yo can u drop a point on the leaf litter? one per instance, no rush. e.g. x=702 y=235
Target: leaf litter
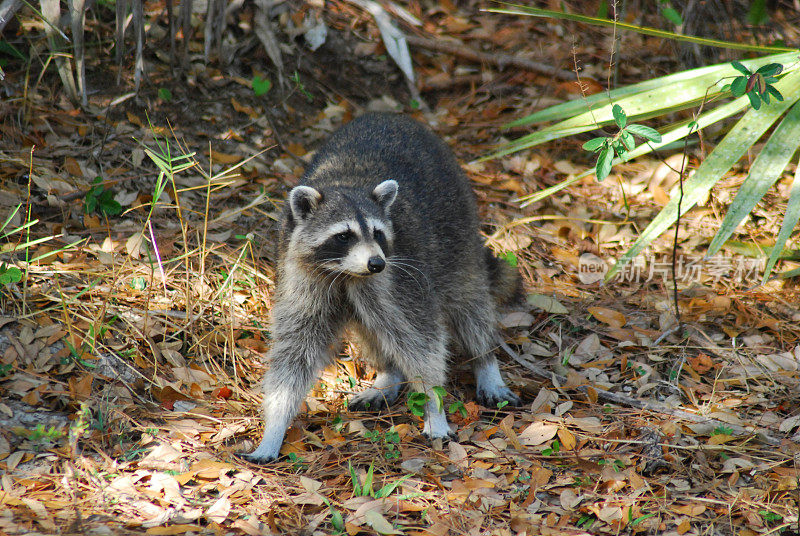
x=131 y=360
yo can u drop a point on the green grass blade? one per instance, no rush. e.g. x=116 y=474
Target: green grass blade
x=708 y=73
x=516 y=9
x=765 y=170
x=789 y=222
x=732 y=147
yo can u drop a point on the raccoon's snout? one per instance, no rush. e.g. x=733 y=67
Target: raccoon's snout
x=376 y=264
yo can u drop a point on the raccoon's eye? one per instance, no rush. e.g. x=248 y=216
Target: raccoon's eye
x=344 y=238
x=378 y=234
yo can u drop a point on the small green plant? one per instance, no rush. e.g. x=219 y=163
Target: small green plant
x=510 y=258
x=617 y=465
x=299 y=465
x=388 y=441
x=164 y=94
x=9 y=274
x=586 y=521
x=416 y=403
x=669 y=12
x=41 y=436
x=300 y=87
x=619 y=144
x=770 y=517
x=261 y=86
x=722 y=430
x=100 y=200
x=337 y=521
x=758 y=84
x=366 y=490
x=458 y=406
x=554 y=448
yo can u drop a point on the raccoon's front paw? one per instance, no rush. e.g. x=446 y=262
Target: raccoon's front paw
x=373 y=399
x=491 y=398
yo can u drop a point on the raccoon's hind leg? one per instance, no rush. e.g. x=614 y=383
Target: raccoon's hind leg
x=422 y=358
x=387 y=384
x=473 y=326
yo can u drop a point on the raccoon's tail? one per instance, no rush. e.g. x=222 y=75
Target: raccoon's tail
x=504 y=280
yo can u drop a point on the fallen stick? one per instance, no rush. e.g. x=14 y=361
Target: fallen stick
x=642 y=404
x=499 y=59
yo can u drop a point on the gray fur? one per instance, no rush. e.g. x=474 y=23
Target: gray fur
x=381 y=172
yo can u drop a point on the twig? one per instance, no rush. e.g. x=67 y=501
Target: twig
x=646 y=405
x=499 y=59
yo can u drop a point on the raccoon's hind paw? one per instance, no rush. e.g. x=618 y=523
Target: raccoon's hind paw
x=253 y=457
x=493 y=398
x=372 y=399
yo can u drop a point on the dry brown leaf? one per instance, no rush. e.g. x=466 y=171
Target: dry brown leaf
x=537 y=433
x=613 y=318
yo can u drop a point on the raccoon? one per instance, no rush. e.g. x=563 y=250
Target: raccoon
x=381 y=236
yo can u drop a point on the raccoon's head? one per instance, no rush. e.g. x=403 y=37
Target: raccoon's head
x=341 y=229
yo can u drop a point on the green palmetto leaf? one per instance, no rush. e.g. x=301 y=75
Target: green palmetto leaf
x=733 y=146
x=678 y=132
x=789 y=222
x=765 y=170
x=691 y=84
x=669 y=95
x=516 y=9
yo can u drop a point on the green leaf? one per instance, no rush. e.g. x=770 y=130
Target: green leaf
x=510 y=258
x=594 y=144
x=775 y=93
x=627 y=140
x=741 y=68
x=164 y=94
x=755 y=100
x=603 y=167
x=9 y=275
x=765 y=170
x=645 y=132
x=261 y=85
x=757 y=14
x=739 y=86
x=770 y=69
x=619 y=115
x=671 y=15
x=732 y=147
x=440 y=394
x=790 y=220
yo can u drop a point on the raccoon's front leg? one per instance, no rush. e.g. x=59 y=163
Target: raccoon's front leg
x=293 y=368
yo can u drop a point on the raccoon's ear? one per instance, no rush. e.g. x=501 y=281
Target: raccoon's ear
x=385 y=193
x=302 y=200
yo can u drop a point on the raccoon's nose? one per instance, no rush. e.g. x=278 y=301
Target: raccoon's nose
x=375 y=264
